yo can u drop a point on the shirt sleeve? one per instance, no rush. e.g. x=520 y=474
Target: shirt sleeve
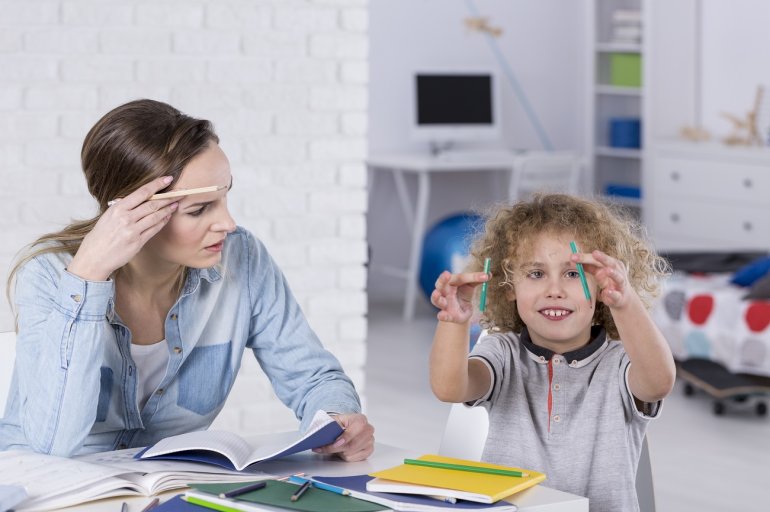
x=305 y=376
x=645 y=410
x=61 y=330
x=495 y=355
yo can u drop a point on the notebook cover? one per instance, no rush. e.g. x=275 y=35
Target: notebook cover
x=495 y=487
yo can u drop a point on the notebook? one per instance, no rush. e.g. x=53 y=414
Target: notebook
x=407 y=502
x=466 y=485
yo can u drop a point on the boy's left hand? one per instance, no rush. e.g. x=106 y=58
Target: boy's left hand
x=611 y=277
x=356 y=443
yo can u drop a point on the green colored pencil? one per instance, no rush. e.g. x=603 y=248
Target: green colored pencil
x=209 y=505
x=582 y=273
x=463 y=467
x=483 y=300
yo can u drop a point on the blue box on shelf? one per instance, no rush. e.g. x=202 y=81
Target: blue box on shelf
x=623 y=191
x=625 y=132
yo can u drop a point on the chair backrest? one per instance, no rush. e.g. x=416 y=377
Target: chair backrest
x=466 y=432
x=7 y=358
x=545 y=172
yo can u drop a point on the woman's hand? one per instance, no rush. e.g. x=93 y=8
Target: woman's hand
x=454 y=295
x=122 y=231
x=356 y=443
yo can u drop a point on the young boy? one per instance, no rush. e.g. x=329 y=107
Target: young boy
x=570 y=376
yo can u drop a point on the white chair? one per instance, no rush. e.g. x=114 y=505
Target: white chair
x=7 y=358
x=466 y=432
x=545 y=172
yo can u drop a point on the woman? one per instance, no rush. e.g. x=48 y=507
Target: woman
x=131 y=325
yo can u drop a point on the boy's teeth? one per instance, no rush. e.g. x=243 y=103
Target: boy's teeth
x=555 y=312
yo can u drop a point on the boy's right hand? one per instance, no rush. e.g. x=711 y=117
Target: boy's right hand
x=121 y=231
x=454 y=295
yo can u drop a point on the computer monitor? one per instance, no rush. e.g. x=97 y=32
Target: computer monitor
x=453 y=107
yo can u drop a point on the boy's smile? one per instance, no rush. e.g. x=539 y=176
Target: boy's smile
x=550 y=298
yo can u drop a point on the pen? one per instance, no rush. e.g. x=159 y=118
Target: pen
x=297 y=495
x=463 y=467
x=483 y=300
x=319 y=485
x=581 y=272
x=151 y=505
x=242 y=490
x=124 y=507
x=178 y=193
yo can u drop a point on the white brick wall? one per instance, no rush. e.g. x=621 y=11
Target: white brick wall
x=284 y=82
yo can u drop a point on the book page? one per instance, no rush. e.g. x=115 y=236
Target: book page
x=46 y=476
x=227 y=444
x=161 y=475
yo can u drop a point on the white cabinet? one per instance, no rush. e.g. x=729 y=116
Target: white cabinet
x=708 y=197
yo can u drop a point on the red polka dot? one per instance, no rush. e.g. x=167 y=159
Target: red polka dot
x=758 y=316
x=699 y=308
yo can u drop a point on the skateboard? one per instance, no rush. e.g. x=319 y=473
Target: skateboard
x=723 y=385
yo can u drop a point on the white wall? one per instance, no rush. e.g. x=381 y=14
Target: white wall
x=542 y=42
x=284 y=82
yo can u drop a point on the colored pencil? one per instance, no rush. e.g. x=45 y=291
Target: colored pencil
x=302 y=488
x=581 y=272
x=483 y=300
x=242 y=490
x=463 y=467
x=320 y=485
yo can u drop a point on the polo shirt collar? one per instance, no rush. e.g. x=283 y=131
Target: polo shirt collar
x=598 y=337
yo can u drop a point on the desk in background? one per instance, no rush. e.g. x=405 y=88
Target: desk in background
x=536 y=499
x=415 y=215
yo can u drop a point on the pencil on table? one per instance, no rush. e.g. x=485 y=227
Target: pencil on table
x=297 y=495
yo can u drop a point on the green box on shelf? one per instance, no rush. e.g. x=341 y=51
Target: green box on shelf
x=626 y=69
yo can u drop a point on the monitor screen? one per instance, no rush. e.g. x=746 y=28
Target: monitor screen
x=455 y=106
x=454 y=99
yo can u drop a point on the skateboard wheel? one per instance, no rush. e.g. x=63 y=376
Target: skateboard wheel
x=761 y=409
x=719 y=408
x=688 y=390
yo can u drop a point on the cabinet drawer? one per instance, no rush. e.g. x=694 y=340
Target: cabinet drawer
x=722 y=180
x=742 y=227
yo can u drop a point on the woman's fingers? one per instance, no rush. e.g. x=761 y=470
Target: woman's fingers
x=143 y=193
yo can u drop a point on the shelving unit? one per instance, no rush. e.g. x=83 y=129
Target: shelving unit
x=620 y=167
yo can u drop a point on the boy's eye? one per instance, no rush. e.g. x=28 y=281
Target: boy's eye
x=573 y=274
x=535 y=274
x=199 y=211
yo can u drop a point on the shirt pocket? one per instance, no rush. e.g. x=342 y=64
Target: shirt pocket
x=105 y=392
x=205 y=378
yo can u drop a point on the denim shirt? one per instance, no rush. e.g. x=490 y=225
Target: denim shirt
x=74 y=386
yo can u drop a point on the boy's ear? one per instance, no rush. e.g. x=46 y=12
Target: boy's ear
x=510 y=294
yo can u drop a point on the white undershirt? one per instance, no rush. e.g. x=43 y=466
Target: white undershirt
x=151 y=362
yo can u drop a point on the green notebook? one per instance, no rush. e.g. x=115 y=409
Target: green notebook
x=278 y=494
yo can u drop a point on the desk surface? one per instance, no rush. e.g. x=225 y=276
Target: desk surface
x=536 y=499
x=417 y=162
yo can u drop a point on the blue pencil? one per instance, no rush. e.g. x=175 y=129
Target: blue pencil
x=582 y=273
x=484 y=285
x=320 y=485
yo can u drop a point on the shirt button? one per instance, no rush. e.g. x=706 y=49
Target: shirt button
x=542 y=359
x=173 y=316
x=556 y=387
x=556 y=418
x=177 y=350
x=159 y=391
x=556 y=360
x=573 y=363
x=77 y=297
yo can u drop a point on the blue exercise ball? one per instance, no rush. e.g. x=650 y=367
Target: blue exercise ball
x=446 y=246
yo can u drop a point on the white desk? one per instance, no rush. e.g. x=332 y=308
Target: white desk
x=422 y=166
x=536 y=499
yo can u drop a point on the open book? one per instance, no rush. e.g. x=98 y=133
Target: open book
x=475 y=482
x=55 y=482
x=230 y=451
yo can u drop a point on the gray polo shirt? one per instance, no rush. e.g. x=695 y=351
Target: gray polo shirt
x=571 y=416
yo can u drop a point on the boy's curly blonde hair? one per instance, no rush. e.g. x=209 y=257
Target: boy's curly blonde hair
x=510 y=231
